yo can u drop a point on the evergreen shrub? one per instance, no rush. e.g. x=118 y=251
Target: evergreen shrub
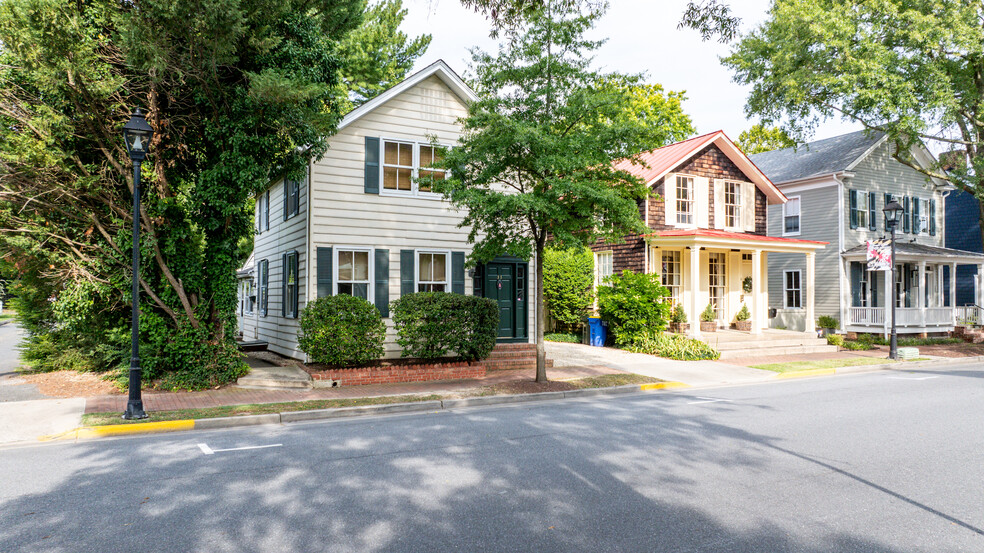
x=431 y=325
x=341 y=330
x=633 y=304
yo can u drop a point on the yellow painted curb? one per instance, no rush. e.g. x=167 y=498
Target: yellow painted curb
x=810 y=372
x=662 y=386
x=121 y=429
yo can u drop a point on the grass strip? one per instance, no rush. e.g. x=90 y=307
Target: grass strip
x=102 y=419
x=793 y=366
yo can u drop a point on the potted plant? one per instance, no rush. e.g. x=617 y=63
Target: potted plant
x=707 y=323
x=827 y=325
x=678 y=320
x=742 y=321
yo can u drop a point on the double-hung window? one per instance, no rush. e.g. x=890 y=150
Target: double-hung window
x=263 y=274
x=292 y=198
x=792 y=289
x=353 y=270
x=791 y=216
x=263 y=212
x=732 y=204
x=603 y=267
x=671 y=274
x=716 y=280
x=684 y=200
x=408 y=167
x=290 y=285
x=433 y=271
x=862 y=211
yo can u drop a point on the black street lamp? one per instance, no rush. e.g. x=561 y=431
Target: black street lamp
x=893 y=213
x=137 y=135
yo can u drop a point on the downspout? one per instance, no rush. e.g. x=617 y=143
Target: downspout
x=841 y=271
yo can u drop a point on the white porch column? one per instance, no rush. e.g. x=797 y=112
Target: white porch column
x=758 y=316
x=694 y=315
x=889 y=298
x=921 y=300
x=953 y=293
x=979 y=296
x=811 y=272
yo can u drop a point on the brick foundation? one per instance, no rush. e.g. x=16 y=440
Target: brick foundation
x=417 y=372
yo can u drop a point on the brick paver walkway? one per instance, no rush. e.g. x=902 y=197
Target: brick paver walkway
x=169 y=401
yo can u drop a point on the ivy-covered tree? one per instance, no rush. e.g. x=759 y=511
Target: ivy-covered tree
x=235 y=91
x=536 y=158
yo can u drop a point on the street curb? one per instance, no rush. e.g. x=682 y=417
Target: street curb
x=87 y=432
x=807 y=373
x=897 y=365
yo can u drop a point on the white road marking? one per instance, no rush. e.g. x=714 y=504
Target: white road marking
x=912 y=377
x=707 y=400
x=209 y=451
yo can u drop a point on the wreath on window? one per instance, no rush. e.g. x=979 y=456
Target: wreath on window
x=746 y=285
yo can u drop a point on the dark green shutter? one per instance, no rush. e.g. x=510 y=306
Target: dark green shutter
x=932 y=217
x=888 y=200
x=372 y=165
x=382 y=282
x=324 y=272
x=872 y=222
x=478 y=281
x=873 y=287
x=906 y=215
x=458 y=272
x=406 y=272
x=283 y=285
x=857 y=273
x=853 y=194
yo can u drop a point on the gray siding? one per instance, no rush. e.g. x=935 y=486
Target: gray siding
x=881 y=174
x=818 y=221
x=284 y=236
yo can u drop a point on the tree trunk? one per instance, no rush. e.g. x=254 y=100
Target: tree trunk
x=541 y=352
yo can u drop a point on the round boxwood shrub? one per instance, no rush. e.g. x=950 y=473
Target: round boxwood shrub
x=431 y=325
x=341 y=330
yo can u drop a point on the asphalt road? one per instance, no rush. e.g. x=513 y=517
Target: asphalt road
x=876 y=462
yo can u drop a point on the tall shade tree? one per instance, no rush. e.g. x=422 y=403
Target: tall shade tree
x=911 y=68
x=235 y=90
x=377 y=54
x=535 y=160
x=760 y=138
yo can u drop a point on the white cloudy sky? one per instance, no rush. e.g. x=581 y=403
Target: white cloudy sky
x=642 y=37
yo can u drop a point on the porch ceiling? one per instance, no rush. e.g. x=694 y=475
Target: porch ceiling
x=911 y=251
x=710 y=238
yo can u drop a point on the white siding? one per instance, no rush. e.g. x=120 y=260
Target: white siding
x=283 y=236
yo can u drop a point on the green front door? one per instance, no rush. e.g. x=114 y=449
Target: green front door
x=500 y=285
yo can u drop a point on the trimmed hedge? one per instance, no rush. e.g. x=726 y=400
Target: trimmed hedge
x=341 y=330
x=431 y=325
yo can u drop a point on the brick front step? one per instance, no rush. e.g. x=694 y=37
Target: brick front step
x=513 y=364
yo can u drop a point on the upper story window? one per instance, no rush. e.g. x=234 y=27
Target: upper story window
x=791 y=216
x=603 y=267
x=292 y=198
x=684 y=200
x=732 y=204
x=405 y=162
x=862 y=210
x=433 y=271
x=263 y=212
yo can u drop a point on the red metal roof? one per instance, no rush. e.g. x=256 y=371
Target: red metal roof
x=663 y=159
x=714 y=233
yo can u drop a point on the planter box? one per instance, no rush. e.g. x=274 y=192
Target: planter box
x=679 y=328
x=745 y=326
x=708 y=326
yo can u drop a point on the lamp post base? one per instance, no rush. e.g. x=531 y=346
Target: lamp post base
x=134 y=410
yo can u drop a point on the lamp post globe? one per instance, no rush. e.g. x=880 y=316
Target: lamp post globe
x=893 y=212
x=137 y=134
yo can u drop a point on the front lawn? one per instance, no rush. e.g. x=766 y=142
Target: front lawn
x=794 y=366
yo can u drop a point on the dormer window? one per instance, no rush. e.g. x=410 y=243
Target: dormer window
x=684 y=200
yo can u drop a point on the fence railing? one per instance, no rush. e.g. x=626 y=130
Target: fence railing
x=904 y=316
x=969 y=314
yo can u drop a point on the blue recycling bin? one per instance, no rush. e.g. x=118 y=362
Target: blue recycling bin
x=598 y=333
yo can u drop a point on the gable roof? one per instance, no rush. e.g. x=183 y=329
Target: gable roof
x=438 y=69
x=816 y=159
x=661 y=161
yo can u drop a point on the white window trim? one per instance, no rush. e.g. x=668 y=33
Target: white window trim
x=416 y=268
x=414 y=172
x=693 y=201
x=679 y=262
x=250 y=286
x=372 y=269
x=740 y=219
x=785 y=303
x=783 y=222
x=598 y=280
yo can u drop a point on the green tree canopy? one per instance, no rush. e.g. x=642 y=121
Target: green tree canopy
x=239 y=92
x=535 y=161
x=760 y=138
x=911 y=68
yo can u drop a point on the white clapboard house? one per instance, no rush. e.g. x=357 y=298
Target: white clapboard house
x=360 y=224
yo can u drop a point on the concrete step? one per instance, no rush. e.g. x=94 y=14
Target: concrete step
x=787 y=350
x=275 y=377
x=762 y=344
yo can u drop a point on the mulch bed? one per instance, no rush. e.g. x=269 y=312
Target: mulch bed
x=70 y=384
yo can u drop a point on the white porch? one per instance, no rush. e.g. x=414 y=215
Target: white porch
x=922 y=304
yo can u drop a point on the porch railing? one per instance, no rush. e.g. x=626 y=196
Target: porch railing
x=969 y=314
x=905 y=316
